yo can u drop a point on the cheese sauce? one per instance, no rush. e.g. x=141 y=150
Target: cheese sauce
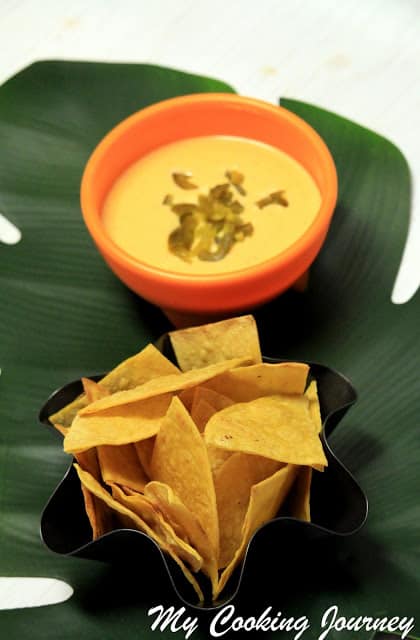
x=136 y=219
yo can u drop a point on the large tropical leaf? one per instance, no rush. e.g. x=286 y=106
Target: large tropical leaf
x=64 y=314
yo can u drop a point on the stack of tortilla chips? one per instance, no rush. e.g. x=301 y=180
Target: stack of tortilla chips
x=197 y=457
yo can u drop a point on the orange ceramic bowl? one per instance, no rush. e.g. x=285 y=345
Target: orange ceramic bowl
x=203 y=115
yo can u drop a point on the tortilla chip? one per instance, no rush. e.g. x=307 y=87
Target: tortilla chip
x=135 y=522
x=187 y=396
x=233 y=490
x=201 y=412
x=61 y=428
x=207 y=344
x=121 y=425
x=144 y=449
x=312 y=394
x=182 y=519
x=264 y=503
x=99 y=515
x=180 y=460
x=142 y=507
x=93 y=390
x=88 y=461
x=217 y=458
x=277 y=427
x=249 y=383
x=164 y=384
x=217 y=400
x=300 y=495
x=147 y=365
x=201 y=392
x=121 y=465
x=136 y=370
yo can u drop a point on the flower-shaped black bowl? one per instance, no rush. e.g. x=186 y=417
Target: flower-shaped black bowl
x=338 y=509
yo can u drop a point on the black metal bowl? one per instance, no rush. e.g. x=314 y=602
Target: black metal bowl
x=338 y=509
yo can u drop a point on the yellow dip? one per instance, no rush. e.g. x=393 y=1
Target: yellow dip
x=138 y=222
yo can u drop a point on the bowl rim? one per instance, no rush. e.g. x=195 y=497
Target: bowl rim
x=314 y=233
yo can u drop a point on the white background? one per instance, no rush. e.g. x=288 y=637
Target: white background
x=359 y=58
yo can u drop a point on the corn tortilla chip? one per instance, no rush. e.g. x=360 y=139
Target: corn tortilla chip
x=142 y=507
x=88 y=461
x=61 y=429
x=187 y=396
x=312 y=394
x=233 y=491
x=121 y=465
x=93 y=391
x=158 y=386
x=180 y=460
x=149 y=363
x=217 y=457
x=201 y=412
x=200 y=346
x=201 y=392
x=98 y=513
x=180 y=517
x=144 y=449
x=249 y=383
x=314 y=410
x=121 y=425
x=217 y=400
x=136 y=522
x=265 y=501
x=277 y=427
x=300 y=495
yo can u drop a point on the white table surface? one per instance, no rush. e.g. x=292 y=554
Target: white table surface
x=359 y=58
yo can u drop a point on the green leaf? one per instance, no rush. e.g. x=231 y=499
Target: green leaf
x=63 y=314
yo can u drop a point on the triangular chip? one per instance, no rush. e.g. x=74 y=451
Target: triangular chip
x=187 y=396
x=217 y=400
x=149 y=363
x=164 y=384
x=233 y=490
x=120 y=425
x=249 y=383
x=200 y=346
x=315 y=412
x=312 y=394
x=201 y=392
x=93 y=390
x=217 y=458
x=138 y=504
x=88 y=461
x=265 y=501
x=61 y=429
x=98 y=513
x=180 y=460
x=135 y=522
x=300 y=494
x=182 y=519
x=276 y=427
x=121 y=465
x=201 y=412
x=144 y=449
